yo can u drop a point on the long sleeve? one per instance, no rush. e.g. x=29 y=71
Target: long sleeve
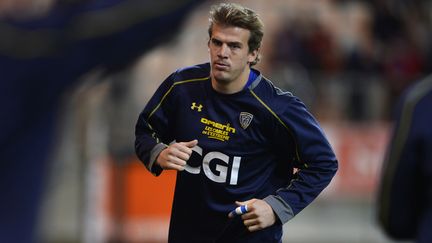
x=404 y=191
x=152 y=127
x=313 y=156
x=397 y=203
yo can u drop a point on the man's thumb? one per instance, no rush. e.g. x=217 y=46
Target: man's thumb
x=245 y=202
x=191 y=144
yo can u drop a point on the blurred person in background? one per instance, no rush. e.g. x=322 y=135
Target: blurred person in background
x=43 y=54
x=405 y=198
x=235 y=140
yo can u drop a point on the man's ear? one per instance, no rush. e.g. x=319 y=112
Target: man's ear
x=253 y=55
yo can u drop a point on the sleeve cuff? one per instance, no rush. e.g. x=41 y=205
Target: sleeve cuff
x=155 y=169
x=282 y=210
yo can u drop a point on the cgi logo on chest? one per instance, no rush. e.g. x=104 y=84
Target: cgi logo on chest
x=225 y=165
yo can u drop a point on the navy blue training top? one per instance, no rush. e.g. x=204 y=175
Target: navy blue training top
x=248 y=145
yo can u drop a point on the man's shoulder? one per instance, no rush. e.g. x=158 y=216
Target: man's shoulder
x=267 y=90
x=199 y=71
x=417 y=95
x=277 y=100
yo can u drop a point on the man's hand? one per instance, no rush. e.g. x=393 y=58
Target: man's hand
x=259 y=215
x=174 y=157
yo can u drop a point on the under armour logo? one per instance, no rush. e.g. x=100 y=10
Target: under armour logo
x=198 y=107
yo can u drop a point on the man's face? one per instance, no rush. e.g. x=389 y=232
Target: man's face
x=229 y=54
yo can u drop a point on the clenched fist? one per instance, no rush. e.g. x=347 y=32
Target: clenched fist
x=174 y=157
x=259 y=215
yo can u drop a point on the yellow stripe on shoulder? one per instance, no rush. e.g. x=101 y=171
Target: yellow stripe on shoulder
x=171 y=88
x=281 y=122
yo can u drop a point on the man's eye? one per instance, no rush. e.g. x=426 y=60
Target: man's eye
x=216 y=42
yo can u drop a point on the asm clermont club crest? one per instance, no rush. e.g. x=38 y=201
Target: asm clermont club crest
x=245 y=119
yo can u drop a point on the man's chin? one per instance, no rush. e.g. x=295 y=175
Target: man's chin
x=220 y=76
x=223 y=79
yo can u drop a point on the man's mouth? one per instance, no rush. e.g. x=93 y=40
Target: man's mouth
x=221 y=65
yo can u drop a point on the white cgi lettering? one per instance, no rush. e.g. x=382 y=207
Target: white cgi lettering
x=221 y=176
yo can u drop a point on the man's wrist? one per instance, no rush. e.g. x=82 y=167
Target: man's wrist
x=280 y=208
x=154 y=166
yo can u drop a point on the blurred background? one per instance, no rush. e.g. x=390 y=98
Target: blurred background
x=347 y=60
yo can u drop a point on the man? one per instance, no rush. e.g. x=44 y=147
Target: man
x=234 y=139
x=405 y=198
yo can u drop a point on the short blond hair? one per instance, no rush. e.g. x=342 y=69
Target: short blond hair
x=231 y=14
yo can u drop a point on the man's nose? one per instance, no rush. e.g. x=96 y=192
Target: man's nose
x=223 y=51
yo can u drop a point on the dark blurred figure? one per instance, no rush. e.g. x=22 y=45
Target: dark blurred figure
x=41 y=57
x=405 y=198
x=403 y=38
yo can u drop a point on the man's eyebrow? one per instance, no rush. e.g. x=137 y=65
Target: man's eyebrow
x=234 y=43
x=228 y=43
